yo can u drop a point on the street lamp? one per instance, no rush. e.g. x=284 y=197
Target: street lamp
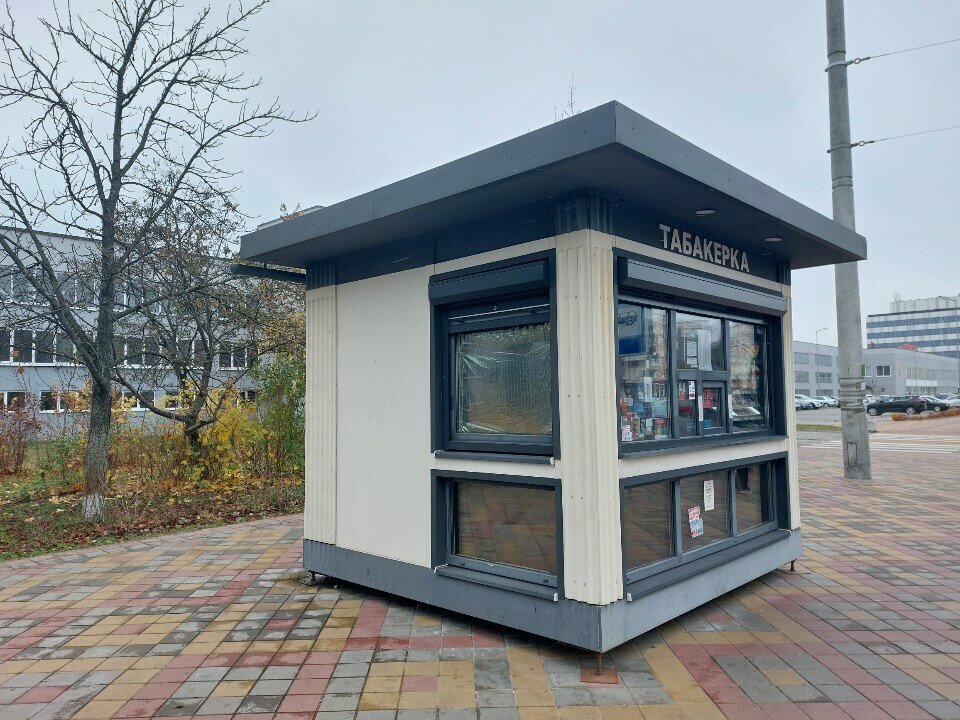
x=816 y=360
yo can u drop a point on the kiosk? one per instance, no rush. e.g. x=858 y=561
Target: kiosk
x=549 y=383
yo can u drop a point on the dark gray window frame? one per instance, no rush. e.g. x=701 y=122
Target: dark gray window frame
x=743 y=303
x=508 y=283
x=443 y=508
x=778 y=511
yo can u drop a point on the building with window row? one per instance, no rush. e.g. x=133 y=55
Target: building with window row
x=38 y=365
x=932 y=325
x=887 y=371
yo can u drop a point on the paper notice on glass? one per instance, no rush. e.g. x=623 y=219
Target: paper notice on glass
x=708 y=500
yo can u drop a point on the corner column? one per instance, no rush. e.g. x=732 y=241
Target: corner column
x=586 y=336
x=320 y=481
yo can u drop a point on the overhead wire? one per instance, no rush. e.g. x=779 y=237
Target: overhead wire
x=857 y=61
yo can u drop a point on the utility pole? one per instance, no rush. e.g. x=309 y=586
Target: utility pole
x=853 y=417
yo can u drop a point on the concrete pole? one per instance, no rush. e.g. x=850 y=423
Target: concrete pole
x=853 y=417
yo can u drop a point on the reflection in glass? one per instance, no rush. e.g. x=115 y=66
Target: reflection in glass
x=687 y=408
x=749 y=397
x=504 y=378
x=644 y=394
x=700 y=526
x=699 y=342
x=714 y=418
x=507 y=524
x=754 y=491
x=647 y=524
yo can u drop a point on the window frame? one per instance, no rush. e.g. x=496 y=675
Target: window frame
x=778 y=476
x=444 y=528
x=459 y=307
x=728 y=435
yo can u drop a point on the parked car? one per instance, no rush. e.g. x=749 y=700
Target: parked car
x=797 y=405
x=952 y=399
x=807 y=403
x=828 y=401
x=935 y=403
x=909 y=404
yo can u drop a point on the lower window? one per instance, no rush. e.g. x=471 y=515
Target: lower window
x=501 y=526
x=671 y=520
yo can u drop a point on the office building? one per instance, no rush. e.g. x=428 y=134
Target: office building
x=931 y=325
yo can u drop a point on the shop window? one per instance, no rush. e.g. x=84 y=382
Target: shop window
x=495 y=386
x=704 y=510
x=645 y=406
x=749 y=376
x=501 y=525
x=670 y=521
x=711 y=379
x=699 y=342
x=647 y=524
x=753 y=488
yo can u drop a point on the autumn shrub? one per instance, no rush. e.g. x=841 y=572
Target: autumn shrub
x=900 y=417
x=18 y=427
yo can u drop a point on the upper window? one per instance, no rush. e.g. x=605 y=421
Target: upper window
x=496 y=383
x=883 y=371
x=689 y=375
x=801 y=358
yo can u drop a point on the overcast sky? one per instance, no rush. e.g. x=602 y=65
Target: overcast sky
x=404 y=86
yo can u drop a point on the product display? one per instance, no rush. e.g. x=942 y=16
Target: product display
x=643 y=398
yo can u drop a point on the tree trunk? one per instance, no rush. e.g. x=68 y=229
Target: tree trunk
x=97 y=452
x=192 y=433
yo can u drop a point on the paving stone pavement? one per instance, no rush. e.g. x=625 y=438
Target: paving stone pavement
x=212 y=624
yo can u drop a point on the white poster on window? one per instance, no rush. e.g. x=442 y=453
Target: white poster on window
x=708 y=495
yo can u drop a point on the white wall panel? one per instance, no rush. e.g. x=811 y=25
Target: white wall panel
x=588 y=433
x=320 y=502
x=793 y=472
x=383 y=443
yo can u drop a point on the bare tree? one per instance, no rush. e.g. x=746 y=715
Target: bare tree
x=212 y=329
x=157 y=99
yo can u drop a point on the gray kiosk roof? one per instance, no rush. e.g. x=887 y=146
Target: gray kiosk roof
x=610 y=150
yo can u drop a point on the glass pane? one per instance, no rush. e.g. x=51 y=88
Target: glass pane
x=45 y=348
x=648 y=524
x=687 y=408
x=644 y=393
x=4 y=345
x=64 y=349
x=704 y=510
x=714 y=418
x=754 y=493
x=23 y=346
x=749 y=397
x=504 y=379
x=699 y=342
x=507 y=524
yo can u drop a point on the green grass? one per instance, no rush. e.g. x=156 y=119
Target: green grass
x=818 y=427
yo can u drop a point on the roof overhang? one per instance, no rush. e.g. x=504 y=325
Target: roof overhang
x=611 y=150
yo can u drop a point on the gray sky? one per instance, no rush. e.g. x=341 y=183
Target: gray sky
x=404 y=86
